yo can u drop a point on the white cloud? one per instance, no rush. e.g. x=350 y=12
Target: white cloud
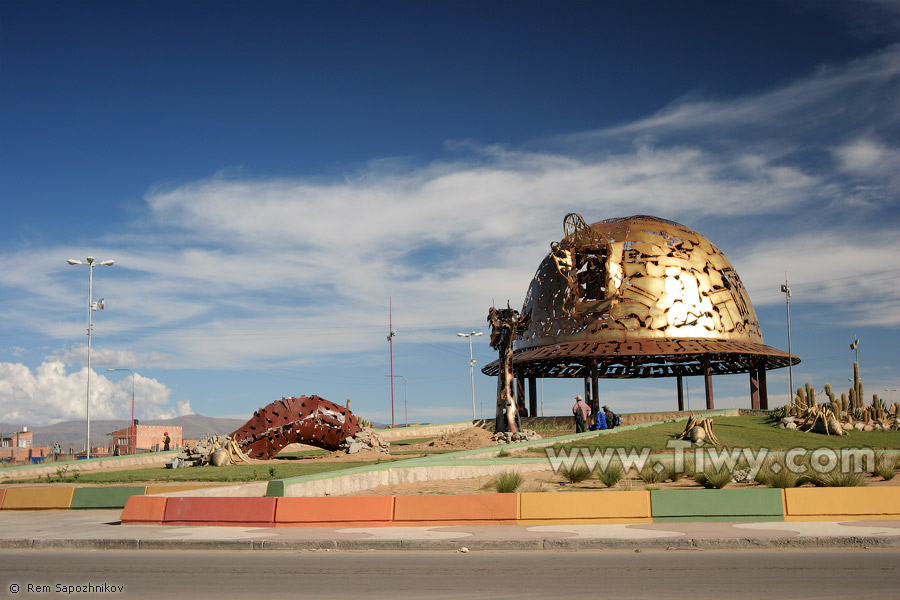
x=49 y=394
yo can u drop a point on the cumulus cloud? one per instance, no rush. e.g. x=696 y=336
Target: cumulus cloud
x=49 y=394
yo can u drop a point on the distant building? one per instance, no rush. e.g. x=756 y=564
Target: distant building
x=147 y=438
x=19 y=446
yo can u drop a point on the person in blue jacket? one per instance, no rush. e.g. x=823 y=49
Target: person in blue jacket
x=600 y=421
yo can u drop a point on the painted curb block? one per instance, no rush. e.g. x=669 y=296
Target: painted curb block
x=144 y=510
x=342 y=510
x=482 y=509
x=828 y=504
x=245 y=511
x=763 y=504
x=2 y=494
x=536 y=508
x=104 y=497
x=38 y=498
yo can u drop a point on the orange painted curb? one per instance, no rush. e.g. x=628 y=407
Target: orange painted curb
x=144 y=509
x=47 y=498
x=220 y=511
x=493 y=509
x=2 y=493
x=334 y=511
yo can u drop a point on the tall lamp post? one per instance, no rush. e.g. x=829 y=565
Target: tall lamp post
x=472 y=362
x=787 y=298
x=131 y=429
x=92 y=306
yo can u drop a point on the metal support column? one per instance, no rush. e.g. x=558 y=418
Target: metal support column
x=532 y=396
x=754 y=388
x=680 y=384
x=763 y=393
x=707 y=382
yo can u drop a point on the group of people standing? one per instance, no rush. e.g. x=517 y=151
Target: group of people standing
x=604 y=419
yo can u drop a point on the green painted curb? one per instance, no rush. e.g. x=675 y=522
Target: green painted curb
x=730 y=504
x=104 y=497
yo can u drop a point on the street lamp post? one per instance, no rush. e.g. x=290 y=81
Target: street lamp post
x=92 y=306
x=131 y=429
x=787 y=299
x=472 y=362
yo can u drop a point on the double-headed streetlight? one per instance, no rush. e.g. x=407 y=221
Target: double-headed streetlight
x=472 y=362
x=130 y=429
x=92 y=306
x=787 y=299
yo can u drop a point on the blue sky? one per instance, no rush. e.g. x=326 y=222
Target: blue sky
x=267 y=175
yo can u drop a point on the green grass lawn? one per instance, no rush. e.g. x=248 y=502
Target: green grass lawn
x=740 y=432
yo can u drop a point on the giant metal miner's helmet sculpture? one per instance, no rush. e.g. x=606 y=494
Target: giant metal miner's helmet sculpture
x=638 y=297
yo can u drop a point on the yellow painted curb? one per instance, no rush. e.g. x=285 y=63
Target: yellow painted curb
x=828 y=504
x=537 y=508
x=45 y=498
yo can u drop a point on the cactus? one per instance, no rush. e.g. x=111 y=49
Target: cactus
x=845 y=403
x=854 y=405
x=810 y=395
x=829 y=392
x=800 y=400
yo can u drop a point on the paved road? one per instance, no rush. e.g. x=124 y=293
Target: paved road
x=697 y=574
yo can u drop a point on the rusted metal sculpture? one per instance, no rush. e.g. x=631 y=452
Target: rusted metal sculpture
x=506 y=326
x=305 y=420
x=638 y=297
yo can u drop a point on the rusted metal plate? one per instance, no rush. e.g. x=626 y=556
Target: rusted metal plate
x=635 y=359
x=643 y=296
x=305 y=420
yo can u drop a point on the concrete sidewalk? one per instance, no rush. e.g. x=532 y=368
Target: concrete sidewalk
x=100 y=529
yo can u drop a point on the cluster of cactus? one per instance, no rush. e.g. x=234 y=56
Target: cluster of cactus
x=850 y=406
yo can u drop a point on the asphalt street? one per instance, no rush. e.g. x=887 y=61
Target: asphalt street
x=699 y=574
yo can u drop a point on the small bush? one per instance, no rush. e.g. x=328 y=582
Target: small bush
x=837 y=479
x=713 y=478
x=575 y=474
x=885 y=465
x=612 y=475
x=782 y=479
x=652 y=474
x=503 y=454
x=508 y=483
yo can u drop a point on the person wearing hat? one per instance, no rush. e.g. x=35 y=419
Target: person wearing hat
x=166 y=440
x=582 y=412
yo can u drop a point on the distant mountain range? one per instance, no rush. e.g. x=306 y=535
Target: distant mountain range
x=71 y=433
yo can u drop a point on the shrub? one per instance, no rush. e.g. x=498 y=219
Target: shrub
x=713 y=478
x=885 y=465
x=575 y=474
x=652 y=474
x=503 y=454
x=837 y=479
x=612 y=475
x=508 y=483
